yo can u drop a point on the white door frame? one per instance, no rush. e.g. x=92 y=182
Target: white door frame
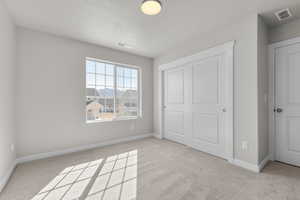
x=228 y=50
x=272 y=89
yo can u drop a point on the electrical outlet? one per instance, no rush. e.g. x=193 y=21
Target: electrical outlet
x=244 y=145
x=12 y=147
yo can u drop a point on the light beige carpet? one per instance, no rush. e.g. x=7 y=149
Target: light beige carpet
x=148 y=169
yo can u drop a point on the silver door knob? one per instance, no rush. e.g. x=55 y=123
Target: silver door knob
x=279 y=110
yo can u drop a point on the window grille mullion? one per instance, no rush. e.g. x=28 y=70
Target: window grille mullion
x=115 y=89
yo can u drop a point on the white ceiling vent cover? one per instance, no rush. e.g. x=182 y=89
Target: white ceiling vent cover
x=283 y=14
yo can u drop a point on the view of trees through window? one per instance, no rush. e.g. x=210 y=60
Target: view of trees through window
x=111 y=91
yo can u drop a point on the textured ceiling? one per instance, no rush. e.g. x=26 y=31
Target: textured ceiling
x=109 y=22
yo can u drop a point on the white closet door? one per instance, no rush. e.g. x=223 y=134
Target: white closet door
x=206 y=106
x=287 y=65
x=195 y=111
x=175 y=103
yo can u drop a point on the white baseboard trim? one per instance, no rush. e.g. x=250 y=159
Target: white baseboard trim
x=252 y=167
x=5 y=178
x=157 y=135
x=81 y=148
x=246 y=165
x=264 y=162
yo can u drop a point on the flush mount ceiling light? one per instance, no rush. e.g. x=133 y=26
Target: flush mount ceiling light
x=151 y=7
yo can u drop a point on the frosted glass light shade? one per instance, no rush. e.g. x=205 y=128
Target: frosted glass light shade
x=151 y=7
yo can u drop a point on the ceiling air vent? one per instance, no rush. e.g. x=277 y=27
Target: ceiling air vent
x=283 y=14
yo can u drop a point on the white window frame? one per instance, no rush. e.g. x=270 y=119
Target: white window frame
x=139 y=88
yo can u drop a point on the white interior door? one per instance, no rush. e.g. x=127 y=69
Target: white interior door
x=198 y=103
x=207 y=83
x=287 y=66
x=174 y=106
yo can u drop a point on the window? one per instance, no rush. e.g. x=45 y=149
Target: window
x=112 y=91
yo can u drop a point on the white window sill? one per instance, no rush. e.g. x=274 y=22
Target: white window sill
x=111 y=120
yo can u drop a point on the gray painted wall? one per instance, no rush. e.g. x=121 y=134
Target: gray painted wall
x=7 y=88
x=51 y=94
x=263 y=77
x=245 y=78
x=285 y=31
